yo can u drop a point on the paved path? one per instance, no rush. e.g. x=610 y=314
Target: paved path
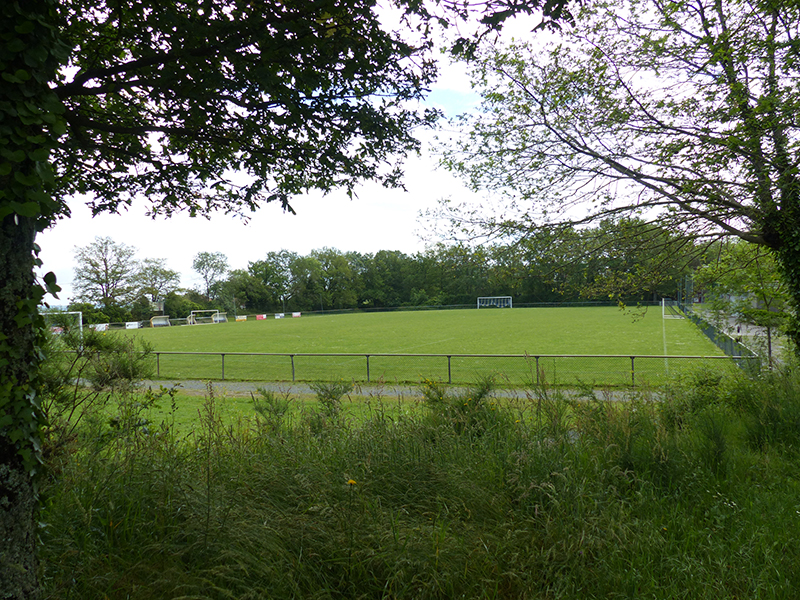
x=243 y=389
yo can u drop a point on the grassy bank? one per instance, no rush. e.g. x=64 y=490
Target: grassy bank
x=693 y=496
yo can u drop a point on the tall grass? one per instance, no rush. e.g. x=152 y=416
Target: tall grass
x=683 y=494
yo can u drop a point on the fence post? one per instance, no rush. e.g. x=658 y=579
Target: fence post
x=367 y=355
x=222 y=354
x=537 y=370
x=449 y=372
x=633 y=372
x=292 y=357
x=158 y=364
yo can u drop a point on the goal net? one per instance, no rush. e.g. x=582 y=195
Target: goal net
x=160 y=321
x=200 y=317
x=495 y=302
x=670 y=309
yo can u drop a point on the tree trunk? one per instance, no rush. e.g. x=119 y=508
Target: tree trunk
x=769 y=346
x=786 y=231
x=18 y=360
x=29 y=123
x=790 y=265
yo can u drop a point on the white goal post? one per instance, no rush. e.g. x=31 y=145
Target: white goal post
x=495 y=302
x=670 y=309
x=198 y=317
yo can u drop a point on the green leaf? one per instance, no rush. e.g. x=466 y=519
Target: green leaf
x=27 y=209
x=51 y=285
x=27 y=180
x=39 y=155
x=13 y=155
x=45 y=171
x=25 y=27
x=15 y=45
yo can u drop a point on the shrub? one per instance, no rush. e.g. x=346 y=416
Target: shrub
x=473 y=410
x=329 y=395
x=691 y=395
x=85 y=372
x=271 y=407
x=771 y=406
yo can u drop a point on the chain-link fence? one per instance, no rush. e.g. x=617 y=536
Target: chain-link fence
x=744 y=357
x=515 y=369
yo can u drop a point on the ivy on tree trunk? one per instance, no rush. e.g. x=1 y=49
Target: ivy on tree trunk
x=28 y=123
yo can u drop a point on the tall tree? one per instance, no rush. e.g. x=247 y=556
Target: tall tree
x=30 y=54
x=165 y=100
x=211 y=266
x=339 y=283
x=388 y=278
x=684 y=113
x=465 y=273
x=155 y=280
x=275 y=273
x=307 y=291
x=242 y=290
x=743 y=286
x=105 y=273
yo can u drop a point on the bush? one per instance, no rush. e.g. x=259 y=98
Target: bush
x=692 y=394
x=473 y=411
x=771 y=408
x=271 y=407
x=86 y=372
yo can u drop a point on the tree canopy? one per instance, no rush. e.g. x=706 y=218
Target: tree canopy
x=742 y=283
x=105 y=273
x=166 y=100
x=594 y=264
x=211 y=266
x=227 y=104
x=683 y=113
x=155 y=280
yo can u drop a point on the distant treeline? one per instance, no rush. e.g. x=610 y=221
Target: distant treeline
x=625 y=261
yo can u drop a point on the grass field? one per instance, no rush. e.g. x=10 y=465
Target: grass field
x=691 y=494
x=532 y=331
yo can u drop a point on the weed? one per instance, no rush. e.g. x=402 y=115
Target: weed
x=329 y=395
x=271 y=407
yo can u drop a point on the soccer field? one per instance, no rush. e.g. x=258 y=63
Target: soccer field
x=519 y=331
x=581 y=330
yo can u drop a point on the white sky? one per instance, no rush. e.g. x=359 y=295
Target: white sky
x=378 y=219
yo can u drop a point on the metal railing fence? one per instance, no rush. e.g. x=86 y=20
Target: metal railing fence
x=516 y=369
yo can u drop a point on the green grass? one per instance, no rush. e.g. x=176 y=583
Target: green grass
x=691 y=497
x=535 y=331
x=183 y=416
x=595 y=330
